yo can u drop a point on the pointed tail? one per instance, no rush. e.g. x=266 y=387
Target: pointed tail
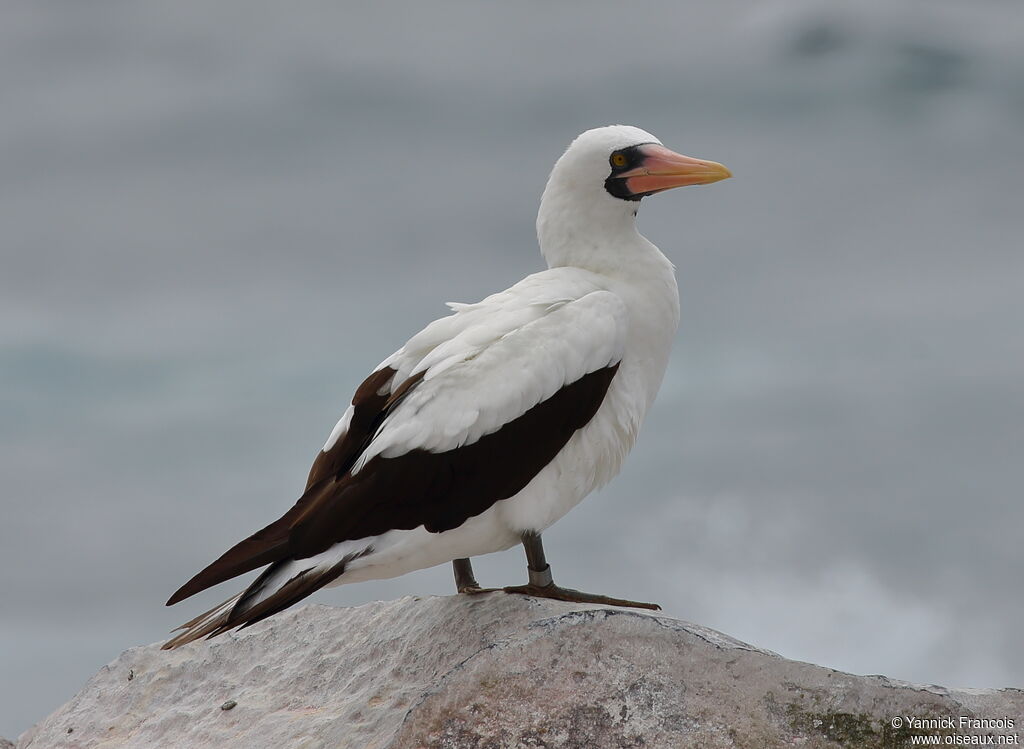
x=204 y=624
x=282 y=584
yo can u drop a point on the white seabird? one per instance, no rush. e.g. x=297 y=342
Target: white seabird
x=491 y=423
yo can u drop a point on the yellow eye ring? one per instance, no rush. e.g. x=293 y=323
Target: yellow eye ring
x=619 y=159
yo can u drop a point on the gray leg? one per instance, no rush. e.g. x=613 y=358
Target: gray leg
x=542 y=585
x=537 y=566
x=465 y=581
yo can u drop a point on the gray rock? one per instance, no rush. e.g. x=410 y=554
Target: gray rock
x=494 y=671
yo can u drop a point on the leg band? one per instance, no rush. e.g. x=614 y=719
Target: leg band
x=541 y=578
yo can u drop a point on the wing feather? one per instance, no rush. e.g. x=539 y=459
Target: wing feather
x=419 y=442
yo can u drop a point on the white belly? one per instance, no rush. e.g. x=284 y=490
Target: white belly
x=590 y=459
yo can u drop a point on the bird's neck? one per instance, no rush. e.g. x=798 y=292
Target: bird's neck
x=577 y=230
x=600 y=237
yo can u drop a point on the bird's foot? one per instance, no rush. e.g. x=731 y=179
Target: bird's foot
x=465 y=580
x=473 y=590
x=576 y=596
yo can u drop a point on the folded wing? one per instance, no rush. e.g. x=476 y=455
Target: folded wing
x=464 y=415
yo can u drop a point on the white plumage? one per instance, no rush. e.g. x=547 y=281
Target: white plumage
x=513 y=351
x=608 y=299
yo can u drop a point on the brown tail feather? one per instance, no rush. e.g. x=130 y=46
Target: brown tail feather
x=203 y=624
x=293 y=591
x=240 y=611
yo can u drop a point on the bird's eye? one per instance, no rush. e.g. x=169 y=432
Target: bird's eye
x=619 y=159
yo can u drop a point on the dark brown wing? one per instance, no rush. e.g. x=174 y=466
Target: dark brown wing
x=442 y=490
x=368 y=405
x=439 y=491
x=371 y=403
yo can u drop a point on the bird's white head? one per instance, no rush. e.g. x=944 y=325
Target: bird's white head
x=592 y=195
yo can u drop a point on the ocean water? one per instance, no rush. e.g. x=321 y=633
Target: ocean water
x=217 y=219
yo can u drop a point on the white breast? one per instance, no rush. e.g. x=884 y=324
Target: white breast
x=594 y=455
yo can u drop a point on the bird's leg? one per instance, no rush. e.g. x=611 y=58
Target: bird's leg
x=543 y=585
x=465 y=581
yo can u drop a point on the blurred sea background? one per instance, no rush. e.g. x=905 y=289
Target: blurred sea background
x=217 y=218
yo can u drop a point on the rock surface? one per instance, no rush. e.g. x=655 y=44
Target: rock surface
x=494 y=671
